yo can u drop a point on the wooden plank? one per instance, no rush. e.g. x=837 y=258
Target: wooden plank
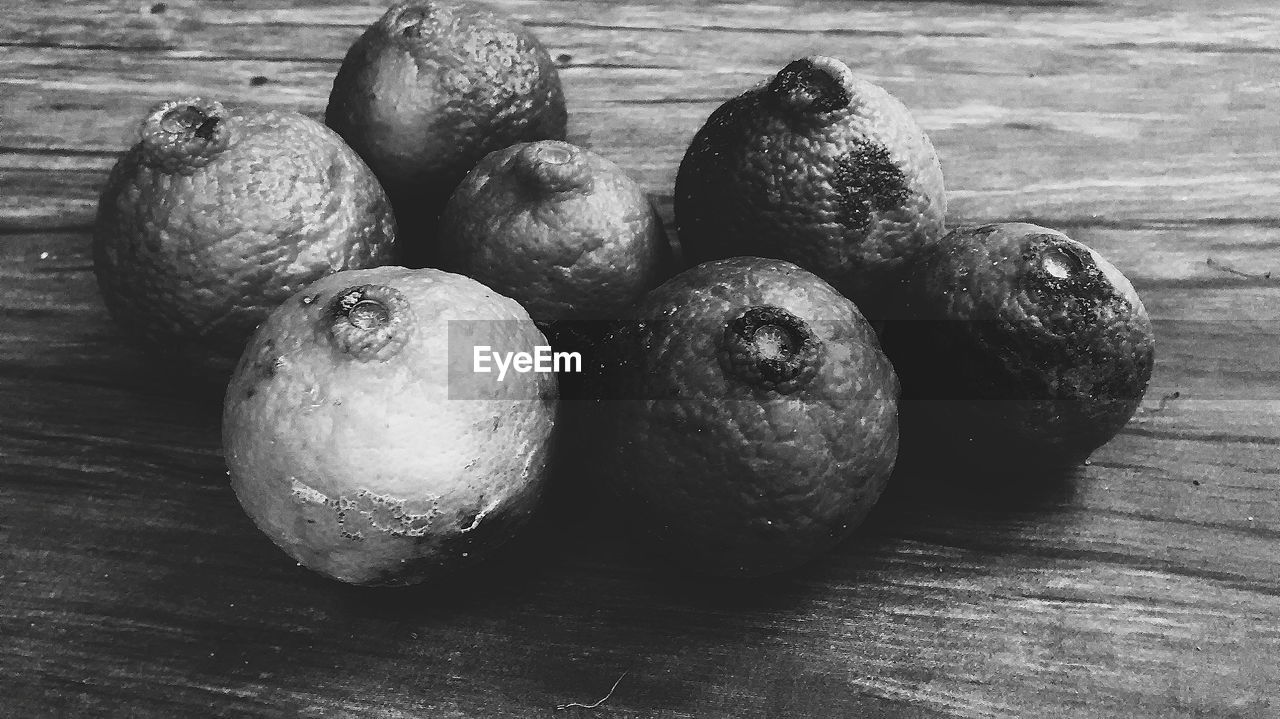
x=121 y=23
x=1127 y=557
x=954 y=607
x=1106 y=143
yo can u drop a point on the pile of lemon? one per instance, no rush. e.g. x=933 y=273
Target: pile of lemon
x=404 y=297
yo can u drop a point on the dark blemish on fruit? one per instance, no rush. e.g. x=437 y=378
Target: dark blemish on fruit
x=563 y=59
x=868 y=180
x=382 y=513
x=1071 y=292
x=387 y=514
x=547 y=393
x=266 y=362
x=159 y=8
x=206 y=129
x=258 y=81
x=1195 y=482
x=271 y=367
x=804 y=85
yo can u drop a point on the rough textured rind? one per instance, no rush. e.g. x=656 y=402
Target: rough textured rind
x=1008 y=360
x=575 y=240
x=372 y=471
x=191 y=256
x=851 y=191
x=729 y=476
x=430 y=89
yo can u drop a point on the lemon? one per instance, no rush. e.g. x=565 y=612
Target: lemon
x=360 y=441
x=1022 y=348
x=217 y=215
x=753 y=423
x=818 y=167
x=559 y=228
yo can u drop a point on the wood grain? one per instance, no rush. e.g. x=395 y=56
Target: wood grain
x=1146 y=584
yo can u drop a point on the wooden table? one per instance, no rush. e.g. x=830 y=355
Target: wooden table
x=1146 y=584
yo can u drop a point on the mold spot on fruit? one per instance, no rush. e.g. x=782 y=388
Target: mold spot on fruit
x=389 y=514
x=381 y=512
x=205 y=129
x=305 y=493
x=868 y=180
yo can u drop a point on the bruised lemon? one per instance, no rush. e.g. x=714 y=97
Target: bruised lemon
x=818 y=167
x=1021 y=347
x=753 y=419
x=217 y=215
x=361 y=440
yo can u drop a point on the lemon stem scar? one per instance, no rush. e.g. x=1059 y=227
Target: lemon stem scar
x=369 y=315
x=553 y=154
x=1059 y=263
x=415 y=20
x=189 y=123
x=184 y=118
x=368 y=322
x=552 y=166
x=206 y=128
x=812 y=85
x=773 y=343
x=185 y=135
x=769 y=348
